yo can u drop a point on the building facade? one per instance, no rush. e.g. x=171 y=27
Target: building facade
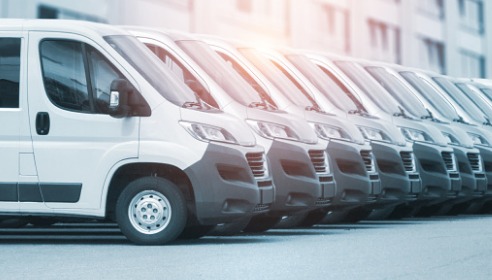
x=447 y=36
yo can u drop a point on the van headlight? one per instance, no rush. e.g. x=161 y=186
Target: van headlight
x=451 y=140
x=415 y=135
x=478 y=139
x=328 y=132
x=273 y=130
x=374 y=134
x=209 y=133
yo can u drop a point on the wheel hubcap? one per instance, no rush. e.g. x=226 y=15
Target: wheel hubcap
x=149 y=212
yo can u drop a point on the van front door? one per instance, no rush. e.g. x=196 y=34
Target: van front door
x=76 y=142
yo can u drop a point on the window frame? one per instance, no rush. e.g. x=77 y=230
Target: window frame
x=85 y=48
x=19 y=74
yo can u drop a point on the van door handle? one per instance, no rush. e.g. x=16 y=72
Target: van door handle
x=42 y=123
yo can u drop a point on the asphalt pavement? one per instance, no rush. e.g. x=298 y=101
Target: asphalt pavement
x=435 y=248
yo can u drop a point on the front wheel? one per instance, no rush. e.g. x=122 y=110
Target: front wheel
x=151 y=211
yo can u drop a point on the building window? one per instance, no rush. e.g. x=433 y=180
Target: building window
x=433 y=8
x=385 y=41
x=471 y=15
x=245 y=6
x=57 y=13
x=472 y=65
x=335 y=23
x=47 y=12
x=432 y=55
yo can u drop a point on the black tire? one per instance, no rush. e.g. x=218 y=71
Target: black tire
x=428 y=211
x=402 y=211
x=13 y=222
x=334 y=217
x=42 y=221
x=228 y=229
x=314 y=217
x=291 y=221
x=381 y=213
x=356 y=215
x=261 y=223
x=195 y=232
x=158 y=213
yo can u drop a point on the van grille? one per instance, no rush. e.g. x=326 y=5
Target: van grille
x=368 y=160
x=449 y=161
x=256 y=162
x=408 y=161
x=475 y=161
x=319 y=160
x=261 y=208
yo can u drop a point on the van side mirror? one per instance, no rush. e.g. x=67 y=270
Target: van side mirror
x=118 y=98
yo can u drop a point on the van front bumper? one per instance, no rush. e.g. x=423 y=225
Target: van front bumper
x=224 y=187
x=474 y=181
x=298 y=186
x=400 y=180
x=440 y=181
x=356 y=183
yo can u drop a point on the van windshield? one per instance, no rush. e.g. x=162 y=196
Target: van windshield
x=152 y=69
x=295 y=93
x=474 y=95
x=399 y=91
x=369 y=86
x=222 y=73
x=460 y=99
x=432 y=95
x=487 y=91
x=338 y=94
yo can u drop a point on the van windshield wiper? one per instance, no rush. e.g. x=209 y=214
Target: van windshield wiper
x=192 y=104
x=487 y=121
x=267 y=101
x=262 y=105
x=315 y=108
x=402 y=113
x=429 y=116
x=359 y=111
x=460 y=120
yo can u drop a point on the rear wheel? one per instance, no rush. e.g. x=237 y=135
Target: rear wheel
x=151 y=211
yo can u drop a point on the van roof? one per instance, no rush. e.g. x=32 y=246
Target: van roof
x=60 y=25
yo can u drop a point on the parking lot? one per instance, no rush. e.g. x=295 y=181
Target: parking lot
x=436 y=248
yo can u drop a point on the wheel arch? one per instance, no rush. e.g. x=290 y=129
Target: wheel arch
x=133 y=171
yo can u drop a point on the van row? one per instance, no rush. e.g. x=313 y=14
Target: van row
x=176 y=135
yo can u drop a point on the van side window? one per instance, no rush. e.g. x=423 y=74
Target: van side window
x=9 y=72
x=64 y=74
x=103 y=73
x=76 y=76
x=183 y=74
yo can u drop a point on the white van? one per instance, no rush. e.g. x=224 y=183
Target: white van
x=301 y=174
x=93 y=126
